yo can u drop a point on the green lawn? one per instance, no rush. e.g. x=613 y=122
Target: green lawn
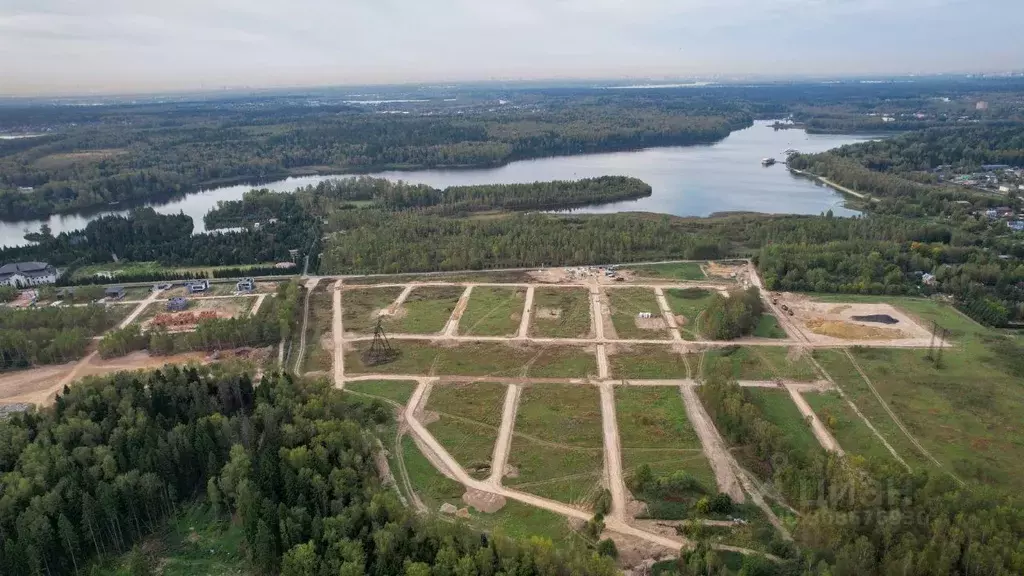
x=785 y=363
x=479 y=359
x=647 y=362
x=470 y=415
x=360 y=306
x=493 y=311
x=676 y=271
x=557 y=448
x=426 y=310
x=626 y=304
x=196 y=542
x=687 y=305
x=737 y=363
x=779 y=409
x=561 y=313
x=398 y=391
x=768 y=327
x=847 y=428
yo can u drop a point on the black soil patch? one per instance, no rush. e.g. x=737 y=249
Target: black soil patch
x=877 y=318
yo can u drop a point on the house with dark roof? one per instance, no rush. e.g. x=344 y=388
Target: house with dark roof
x=114 y=292
x=21 y=274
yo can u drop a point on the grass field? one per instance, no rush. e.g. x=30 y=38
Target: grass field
x=847 y=428
x=687 y=305
x=677 y=271
x=759 y=363
x=654 y=430
x=768 y=327
x=784 y=363
x=196 y=542
x=626 y=303
x=319 y=345
x=558 y=443
x=561 y=313
x=648 y=362
x=426 y=310
x=480 y=359
x=493 y=311
x=398 y=391
x=433 y=488
x=470 y=415
x=359 y=307
x=779 y=409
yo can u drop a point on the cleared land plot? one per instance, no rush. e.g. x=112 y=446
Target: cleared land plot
x=223 y=307
x=513 y=360
x=627 y=304
x=968 y=412
x=647 y=362
x=687 y=305
x=759 y=363
x=849 y=430
x=360 y=307
x=768 y=327
x=557 y=446
x=398 y=391
x=493 y=311
x=838 y=366
x=561 y=313
x=676 y=271
x=119 y=312
x=654 y=431
x=426 y=310
x=778 y=408
x=319 y=340
x=469 y=417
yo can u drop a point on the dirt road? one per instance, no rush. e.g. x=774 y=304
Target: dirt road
x=524 y=322
x=452 y=327
x=666 y=312
x=612 y=452
x=825 y=438
x=393 y=308
x=722 y=463
x=503 y=444
x=310 y=286
x=338 y=332
x=256 y=307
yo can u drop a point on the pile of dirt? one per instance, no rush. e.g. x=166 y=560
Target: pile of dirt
x=849 y=331
x=484 y=501
x=653 y=323
x=876 y=318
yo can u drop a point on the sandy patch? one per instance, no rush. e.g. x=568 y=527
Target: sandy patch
x=653 y=323
x=549 y=313
x=397 y=313
x=851 y=331
x=484 y=501
x=832 y=323
x=327 y=341
x=716 y=269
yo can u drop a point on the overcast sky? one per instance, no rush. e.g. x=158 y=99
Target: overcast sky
x=95 y=46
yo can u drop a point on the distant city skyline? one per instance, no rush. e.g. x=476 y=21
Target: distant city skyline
x=65 y=47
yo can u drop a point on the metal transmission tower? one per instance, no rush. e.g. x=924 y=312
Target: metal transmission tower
x=380 y=351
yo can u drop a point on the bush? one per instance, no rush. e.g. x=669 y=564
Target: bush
x=607 y=548
x=728 y=318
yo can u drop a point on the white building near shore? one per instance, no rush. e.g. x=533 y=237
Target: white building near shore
x=21 y=274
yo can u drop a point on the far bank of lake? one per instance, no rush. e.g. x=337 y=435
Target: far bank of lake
x=687 y=181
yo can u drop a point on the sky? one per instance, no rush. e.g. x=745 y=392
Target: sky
x=123 y=46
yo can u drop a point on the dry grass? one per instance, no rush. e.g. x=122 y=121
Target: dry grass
x=848 y=331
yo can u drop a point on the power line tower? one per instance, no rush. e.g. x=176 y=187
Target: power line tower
x=380 y=351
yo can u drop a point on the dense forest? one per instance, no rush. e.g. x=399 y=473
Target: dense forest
x=730 y=317
x=292 y=461
x=49 y=335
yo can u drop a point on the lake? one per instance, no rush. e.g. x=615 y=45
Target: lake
x=686 y=181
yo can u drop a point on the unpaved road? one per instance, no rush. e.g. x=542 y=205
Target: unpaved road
x=337 y=331
x=524 y=322
x=666 y=312
x=310 y=286
x=503 y=444
x=825 y=438
x=452 y=327
x=718 y=456
x=393 y=308
x=256 y=307
x=612 y=452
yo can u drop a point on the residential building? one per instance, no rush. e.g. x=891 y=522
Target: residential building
x=177 y=304
x=246 y=285
x=114 y=292
x=1016 y=225
x=22 y=274
x=197 y=286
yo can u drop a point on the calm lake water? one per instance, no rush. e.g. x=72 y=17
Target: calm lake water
x=687 y=181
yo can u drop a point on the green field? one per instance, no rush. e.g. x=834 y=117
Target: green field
x=196 y=542
x=648 y=362
x=847 y=428
x=557 y=448
x=426 y=310
x=493 y=311
x=561 y=313
x=319 y=345
x=779 y=409
x=626 y=304
x=654 y=430
x=768 y=327
x=470 y=415
x=497 y=359
x=398 y=391
x=360 y=306
x=676 y=271
x=433 y=488
x=687 y=305
x=759 y=363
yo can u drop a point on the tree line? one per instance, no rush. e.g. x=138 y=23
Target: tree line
x=50 y=335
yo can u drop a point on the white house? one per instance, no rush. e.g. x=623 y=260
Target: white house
x=22 y=274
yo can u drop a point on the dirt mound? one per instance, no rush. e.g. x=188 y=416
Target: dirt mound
x=397 y=313
x=484 y=501
x=682 y=320
x=549 y=313
x=849 y=331
x=876 y=318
